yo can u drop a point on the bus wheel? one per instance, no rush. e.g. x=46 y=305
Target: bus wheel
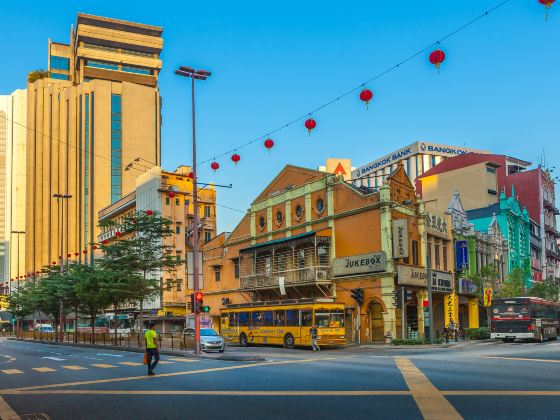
x=243 y=340
x=288 y=341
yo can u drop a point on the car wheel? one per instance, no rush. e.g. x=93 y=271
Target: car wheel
x=221 y=351
x=288 y=341
x=243 y=340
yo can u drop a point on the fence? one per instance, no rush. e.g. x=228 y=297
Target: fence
x=169 y=341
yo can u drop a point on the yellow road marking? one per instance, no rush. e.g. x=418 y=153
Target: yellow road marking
x=510 y=393
x=44 y=369
x=160 y=375
x=131 y=363
x=431 y=403
x=74 y=367
x=6 y=412
x=104 y=365
x=197 y=392
x=11 y=371
x=522 y=358
x=183 y=359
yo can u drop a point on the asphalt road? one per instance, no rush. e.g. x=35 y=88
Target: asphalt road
x=475 y=381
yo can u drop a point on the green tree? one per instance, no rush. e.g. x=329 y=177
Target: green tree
x=23 y=301
x=488 y=275
x=514 y=285
x=548 y=289
x=36 y=75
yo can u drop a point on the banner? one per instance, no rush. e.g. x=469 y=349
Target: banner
x=359 y=264
x=400 y=238
x=461 y=255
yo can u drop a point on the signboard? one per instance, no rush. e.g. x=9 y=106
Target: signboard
x=461 y=255
x=442 y=282
x=488 y=296
x=359 y=264
x=466 y=287
x=190 y=277
x=436 y=224
x=400 y=238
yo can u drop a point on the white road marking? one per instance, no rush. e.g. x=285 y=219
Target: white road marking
x=58 y=359
x=109 y=354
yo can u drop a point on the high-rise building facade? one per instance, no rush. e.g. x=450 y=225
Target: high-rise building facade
x=98 y=109
x=13 y=109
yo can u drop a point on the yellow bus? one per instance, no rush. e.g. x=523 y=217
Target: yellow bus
x=284 y=322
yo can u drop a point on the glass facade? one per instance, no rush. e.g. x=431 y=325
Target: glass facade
x=60 y=63
x=139 y=70
x=102 y=65
x=59 y=76
x=116 y=148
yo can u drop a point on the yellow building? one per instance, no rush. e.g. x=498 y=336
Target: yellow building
x=13 y=110
x=168 y=193
x=98 y=109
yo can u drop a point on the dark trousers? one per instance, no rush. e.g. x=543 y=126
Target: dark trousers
x=155 y=354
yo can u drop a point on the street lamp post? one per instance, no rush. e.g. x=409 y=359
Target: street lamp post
x=60 y=198
x=18 y=233
x=185 y=71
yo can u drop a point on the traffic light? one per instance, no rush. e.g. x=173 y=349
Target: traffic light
x=192 y=303
x=408 y=295
x=358 y=295
x=397 y=298
x=200 y=307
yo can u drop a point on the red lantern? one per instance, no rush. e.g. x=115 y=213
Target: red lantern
x=437 y=57
x=76 y=254
x=105 y=241
x=95 y=247
x=269 y=144
x=150 y=212
x=366 y=95
x=214 y=165
x=547 y=5
x=310 y=124
x=118 y=234
x=171 y=194
x=235 y=158
x=54 y=263
x=37 y=272
x=68 y=255
x=84 y=251
x=190 y=175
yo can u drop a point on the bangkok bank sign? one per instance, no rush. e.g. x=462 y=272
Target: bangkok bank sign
x=409 y=151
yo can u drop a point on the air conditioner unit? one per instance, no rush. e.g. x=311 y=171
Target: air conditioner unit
x=322 y=275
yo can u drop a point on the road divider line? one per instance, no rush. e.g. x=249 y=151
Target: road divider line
x=504 y=393
x=152 y=378
x=431 y=402
x=523 y=359
x=318 y=393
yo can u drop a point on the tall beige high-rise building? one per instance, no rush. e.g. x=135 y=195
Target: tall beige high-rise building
x=13 y=132
x=98 y=110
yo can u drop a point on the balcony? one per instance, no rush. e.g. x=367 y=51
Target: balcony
x=296 y=277
x=550 y=206
x=551 y=230
x=552 y=254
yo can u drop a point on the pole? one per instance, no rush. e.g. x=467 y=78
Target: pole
x=18 y=321
x=403 y=311
x=430 y=306
x=195 y=228
x=61 y=201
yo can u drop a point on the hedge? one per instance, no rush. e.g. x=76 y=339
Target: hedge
x=477 y=333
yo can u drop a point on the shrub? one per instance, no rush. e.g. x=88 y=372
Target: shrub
x=414 y=341
x=477 y=333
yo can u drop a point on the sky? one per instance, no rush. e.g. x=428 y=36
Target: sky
x=272 y=62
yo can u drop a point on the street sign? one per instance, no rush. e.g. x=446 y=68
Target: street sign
x=488 y=296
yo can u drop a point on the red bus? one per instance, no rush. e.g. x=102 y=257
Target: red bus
x=525 y=318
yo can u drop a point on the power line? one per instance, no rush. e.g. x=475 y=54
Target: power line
x=360 y=86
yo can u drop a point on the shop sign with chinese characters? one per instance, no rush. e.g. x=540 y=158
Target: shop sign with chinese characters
x=437 y=224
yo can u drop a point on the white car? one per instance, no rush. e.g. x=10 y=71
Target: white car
x=210 y=340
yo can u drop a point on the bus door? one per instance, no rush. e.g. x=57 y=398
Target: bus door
x=306 y=321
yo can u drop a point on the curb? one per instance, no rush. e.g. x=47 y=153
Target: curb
x=166 y=352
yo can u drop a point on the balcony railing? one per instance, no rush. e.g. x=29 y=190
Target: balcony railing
x=551 y=230
x=295 y=277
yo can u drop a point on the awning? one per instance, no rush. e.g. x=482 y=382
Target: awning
x=279 y=241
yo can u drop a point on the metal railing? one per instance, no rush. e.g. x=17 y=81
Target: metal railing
x=298 y=276
x=168 y=341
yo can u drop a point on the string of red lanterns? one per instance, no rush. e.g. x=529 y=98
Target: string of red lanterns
x=547 y=5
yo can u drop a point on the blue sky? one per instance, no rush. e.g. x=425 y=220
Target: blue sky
x=273 y=61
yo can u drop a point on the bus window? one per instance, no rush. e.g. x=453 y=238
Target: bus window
x=337 y=319
x=322 y=317
x=306 y=317
x=225 y=319
x=243 y=319
x=256 y=319
x=280 y=318
x=292 y=318
x=233 y=319
x=267 y=318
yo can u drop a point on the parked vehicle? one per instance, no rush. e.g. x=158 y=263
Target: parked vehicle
x=210 y=340
x=43 y=328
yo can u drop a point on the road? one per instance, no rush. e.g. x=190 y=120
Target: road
x=487 y=380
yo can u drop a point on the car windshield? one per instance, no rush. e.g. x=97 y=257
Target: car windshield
x=208 y=332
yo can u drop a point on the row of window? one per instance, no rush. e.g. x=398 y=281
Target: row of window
x=59 y=76
x=110 y=66
x=122 y=50
x=439 y=254
x=60 y=63
x=319 y=207
x=207 y=210
x=286 y=318
x=116 y=147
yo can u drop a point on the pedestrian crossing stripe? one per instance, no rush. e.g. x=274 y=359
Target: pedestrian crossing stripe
x=104 y=365
x=74 y=367
x=131 y=363
x=44 y=369
x=183 y=359
x=164 y=362
x=11 y=371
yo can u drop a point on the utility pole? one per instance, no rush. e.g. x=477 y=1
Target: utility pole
x=199 y=75
x=430 y=306
x=60 y=200
x=403 y=312
x=18 y=321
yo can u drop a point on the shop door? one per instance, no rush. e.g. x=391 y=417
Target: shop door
x=376 y=322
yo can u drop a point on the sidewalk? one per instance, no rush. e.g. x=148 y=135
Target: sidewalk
x=179 y=353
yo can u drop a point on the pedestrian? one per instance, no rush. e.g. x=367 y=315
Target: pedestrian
x=314 y=337
x=152 y=348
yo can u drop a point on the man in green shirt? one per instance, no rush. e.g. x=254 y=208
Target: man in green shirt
x=152 y=348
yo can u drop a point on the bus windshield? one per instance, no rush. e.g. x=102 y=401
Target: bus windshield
x=333 y=318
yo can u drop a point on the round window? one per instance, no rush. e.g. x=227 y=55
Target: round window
x=262 y=222
x=279 y=217
x=299 y=211
x=320 y=205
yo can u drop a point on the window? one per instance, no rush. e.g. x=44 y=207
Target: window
x=322 y=318
x=320 y=205
x=101 y=65
x=233 y=319
x=60 y=63
x=256 y=319
x=299 y=211
x=178 y=286
x=444 y=258
x=138 y=70
x=267 y=318
x=187 y=202
x=236 y=268
x=280 y=318
x=217 y=273
x=243 y=319
x=433 y=161
x=207 y=211
x=138 y=53
x=490 y=170
x=167 y=200
x=279 y=217
x=292 y=318
x=116 y=148
x=493 y=192
x=100 y=47
x=262 y=222
x=306 y=317
x=59 y=76
x=177 y=229
x=207 y=236
x=437 y=255
x=177 y=201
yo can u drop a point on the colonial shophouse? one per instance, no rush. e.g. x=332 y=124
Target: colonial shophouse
x=306 y=236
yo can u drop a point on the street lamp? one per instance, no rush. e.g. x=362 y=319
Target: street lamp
x=59 y=198
x=18 y=233
x=186 y=71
